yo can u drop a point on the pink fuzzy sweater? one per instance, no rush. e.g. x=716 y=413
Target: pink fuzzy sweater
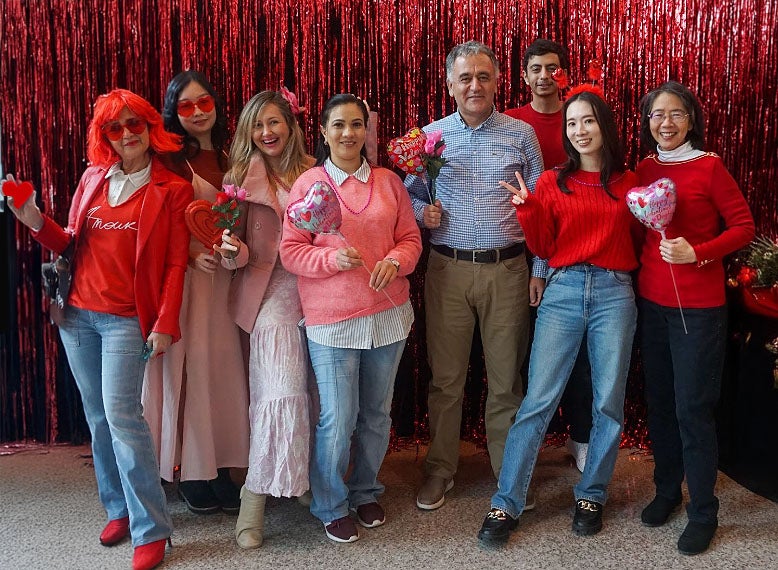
x=386 y=228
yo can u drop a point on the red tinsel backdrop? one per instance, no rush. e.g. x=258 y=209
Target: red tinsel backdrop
x=58 y=55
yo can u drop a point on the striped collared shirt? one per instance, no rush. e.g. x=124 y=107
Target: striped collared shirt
x=370 y=331
x=477 y=211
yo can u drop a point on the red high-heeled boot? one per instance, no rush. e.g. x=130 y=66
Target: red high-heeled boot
x=115 y=531
x=148 y=556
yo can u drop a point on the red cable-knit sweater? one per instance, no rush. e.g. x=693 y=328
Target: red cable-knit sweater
x=585 y=226
x=708 y=199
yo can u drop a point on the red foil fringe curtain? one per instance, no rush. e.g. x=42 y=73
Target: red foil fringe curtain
x=58 y=55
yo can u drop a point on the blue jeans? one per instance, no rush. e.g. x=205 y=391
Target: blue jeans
x=355 y=392
x=579 y=300
x=104 y=353
x=683 y=382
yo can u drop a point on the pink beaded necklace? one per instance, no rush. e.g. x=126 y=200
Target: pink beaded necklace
x=342 y=201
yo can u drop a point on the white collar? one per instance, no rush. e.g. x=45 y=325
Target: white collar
x=679 y=154
x=339 y=176
x=137 y=179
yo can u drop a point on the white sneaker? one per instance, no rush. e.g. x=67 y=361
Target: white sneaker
x=578 y=451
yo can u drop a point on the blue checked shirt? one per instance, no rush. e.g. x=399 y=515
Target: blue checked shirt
x=477 y=211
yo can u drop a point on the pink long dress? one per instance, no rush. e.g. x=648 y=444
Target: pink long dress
x=195 y=397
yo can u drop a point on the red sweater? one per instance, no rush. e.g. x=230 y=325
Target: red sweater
x=548 y=129
x=585 y=226
x=708 y=199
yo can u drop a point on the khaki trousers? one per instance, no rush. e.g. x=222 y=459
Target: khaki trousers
x=457 y=293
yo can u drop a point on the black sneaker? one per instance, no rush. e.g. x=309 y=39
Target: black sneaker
x=198 y=497
x=225 y=491
x=696 y=538
x=588 y=518
x=658 y=511
x=497 y=527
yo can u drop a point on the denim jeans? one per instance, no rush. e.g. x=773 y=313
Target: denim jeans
x=355 y=392
x=579 y=300
x=104 y=353
x=683 y=382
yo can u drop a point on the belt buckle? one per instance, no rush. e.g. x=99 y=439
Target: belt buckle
x=476 y=252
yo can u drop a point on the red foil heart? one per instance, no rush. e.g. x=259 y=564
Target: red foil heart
x=20 y=192
x=405 y=151
x=201 y=221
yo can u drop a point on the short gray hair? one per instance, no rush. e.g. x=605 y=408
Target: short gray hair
x=468 y=49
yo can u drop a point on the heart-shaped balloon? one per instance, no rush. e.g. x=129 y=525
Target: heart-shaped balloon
x=405 y=151
x=201 y=221
x=318 y=212
x=653 y=205
x=19 y=191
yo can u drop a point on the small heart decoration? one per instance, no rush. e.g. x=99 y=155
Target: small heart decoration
x=201 y=221
x=19 y=191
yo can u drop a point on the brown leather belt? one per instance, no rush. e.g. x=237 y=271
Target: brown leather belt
x=481 y=255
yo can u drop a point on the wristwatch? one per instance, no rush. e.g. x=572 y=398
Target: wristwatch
x=394 y=262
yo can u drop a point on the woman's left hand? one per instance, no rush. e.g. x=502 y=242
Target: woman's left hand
x=383 y=273
x=677 y=250
x=159 y=343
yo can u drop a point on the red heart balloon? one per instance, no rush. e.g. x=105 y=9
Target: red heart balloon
x=405 y=151
x=201 y=221
x=20 y=192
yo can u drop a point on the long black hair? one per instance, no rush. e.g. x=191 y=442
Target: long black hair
x=322 y=150
x=173 y=125
x=612 y=149
x=691 y=105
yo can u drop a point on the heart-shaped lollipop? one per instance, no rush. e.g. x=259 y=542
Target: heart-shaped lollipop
x=653 y=205
x=19 y=191
x=405 y=151
x=201 y=221
x=318 y=212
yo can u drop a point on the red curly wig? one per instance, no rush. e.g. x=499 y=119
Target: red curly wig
x=107 y=109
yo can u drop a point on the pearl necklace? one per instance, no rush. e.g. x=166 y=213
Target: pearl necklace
x=370 y=179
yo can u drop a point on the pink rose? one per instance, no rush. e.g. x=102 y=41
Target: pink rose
x=229 y=189
x=241 y=194
x=435 y=137
x=429 y=146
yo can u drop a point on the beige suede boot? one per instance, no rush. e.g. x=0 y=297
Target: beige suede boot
x=251 y=519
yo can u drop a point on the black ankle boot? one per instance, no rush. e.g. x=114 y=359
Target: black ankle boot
x=696 y=537
x=658 y=511
x=198 y=497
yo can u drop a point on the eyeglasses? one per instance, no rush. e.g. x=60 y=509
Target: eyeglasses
x=675 y=116
x=186 y=108
x=115 y=129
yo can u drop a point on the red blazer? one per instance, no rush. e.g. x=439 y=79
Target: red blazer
x=163 y=243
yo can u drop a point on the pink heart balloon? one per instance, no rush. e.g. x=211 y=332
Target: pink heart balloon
x=653 y=205
x=318 y=212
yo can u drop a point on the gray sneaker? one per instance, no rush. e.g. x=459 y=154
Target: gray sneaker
x=432 y=494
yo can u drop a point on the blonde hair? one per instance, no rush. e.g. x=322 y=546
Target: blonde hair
x=294 y=159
